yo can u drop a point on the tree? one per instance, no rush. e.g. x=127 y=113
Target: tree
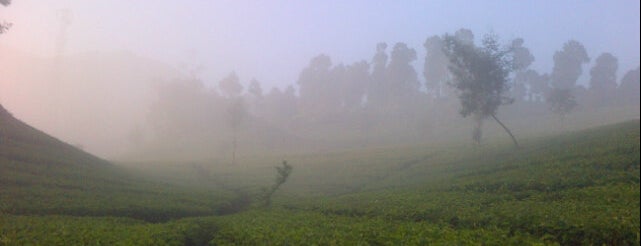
x=628 y=91
x=567 y=68
x=402 y=81
x=561 y=102
x=480 y=75
x=522 y=56
x=237 y=113
x=568 y=65
x=603 y=78
x=435 y=70
x=282 y=173
x=318 y=93
x=376 y=93
x=522 y=59
x=230 y=86
x=255 y=89
x=538 y=84
x=236 y=109
x=4 y=25
x=355 y=85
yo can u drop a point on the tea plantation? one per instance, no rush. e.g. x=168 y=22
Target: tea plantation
x=579 y=188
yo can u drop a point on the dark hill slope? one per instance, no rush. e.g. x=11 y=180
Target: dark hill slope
x=40 y=174
x=21 y=142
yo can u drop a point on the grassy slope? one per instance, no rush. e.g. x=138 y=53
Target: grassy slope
x=54 y=194
x=580 y=188
x=577 y=188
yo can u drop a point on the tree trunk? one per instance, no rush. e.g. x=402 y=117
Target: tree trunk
x=506 y=130
x=233 y=157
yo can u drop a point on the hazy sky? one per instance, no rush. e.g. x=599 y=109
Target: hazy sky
x=273 y=40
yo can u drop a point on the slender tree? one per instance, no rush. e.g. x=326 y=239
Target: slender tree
x=236 y=110
x=435 y=69
x=480 y=76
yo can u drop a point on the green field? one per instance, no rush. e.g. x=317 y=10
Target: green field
x=578 y=188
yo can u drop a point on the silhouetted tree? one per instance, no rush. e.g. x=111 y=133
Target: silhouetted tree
x=480 y=75
x=537 y=83
x=230 y=86
x=603 y=79
x=282 y=173
x=237 y=113
x=522 y=56
x=236 y=109
x=629 y=88
x=568 y=64
x=465 y=36
x=435 y=70
x=376 y=94
x=522 y=59
x=317 y=88
x=255 y=89
x=561 y=102
x=402 y=82
x=355 y=85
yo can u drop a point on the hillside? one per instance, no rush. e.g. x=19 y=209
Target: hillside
x=576 y=188
x=40 y=174
x=579 y=188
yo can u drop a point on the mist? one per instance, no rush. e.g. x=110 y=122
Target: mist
x=199 y=80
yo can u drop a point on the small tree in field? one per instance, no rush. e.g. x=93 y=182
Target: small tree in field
x=281 y=177
x=480 y=76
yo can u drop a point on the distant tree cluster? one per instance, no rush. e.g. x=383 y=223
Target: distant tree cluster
x=366 y=96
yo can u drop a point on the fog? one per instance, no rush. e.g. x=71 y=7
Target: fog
x=194 y=80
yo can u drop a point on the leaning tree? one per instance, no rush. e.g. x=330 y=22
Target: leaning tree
x=480 y=75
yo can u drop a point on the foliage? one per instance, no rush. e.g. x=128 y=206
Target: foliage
x=567 y=65
x=561 y=101
x=66 y=230
x=480 y=77
x=281 y=177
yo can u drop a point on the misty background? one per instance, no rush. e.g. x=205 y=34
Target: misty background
x=193 y=79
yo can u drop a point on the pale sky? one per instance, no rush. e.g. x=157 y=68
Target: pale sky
x=273 y=40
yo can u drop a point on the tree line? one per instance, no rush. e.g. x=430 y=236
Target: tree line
x=372 y=93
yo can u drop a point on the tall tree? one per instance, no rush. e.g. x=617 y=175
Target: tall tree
x=603 y=78
x=402 y=81
x=317 y=89
x=480 y=75
x=376 y=94
x=567 y=68
x=568 y=64
x=237 y=112
x=435 y=69
x=236 y=109
x=522 y=59
x=355 y=85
